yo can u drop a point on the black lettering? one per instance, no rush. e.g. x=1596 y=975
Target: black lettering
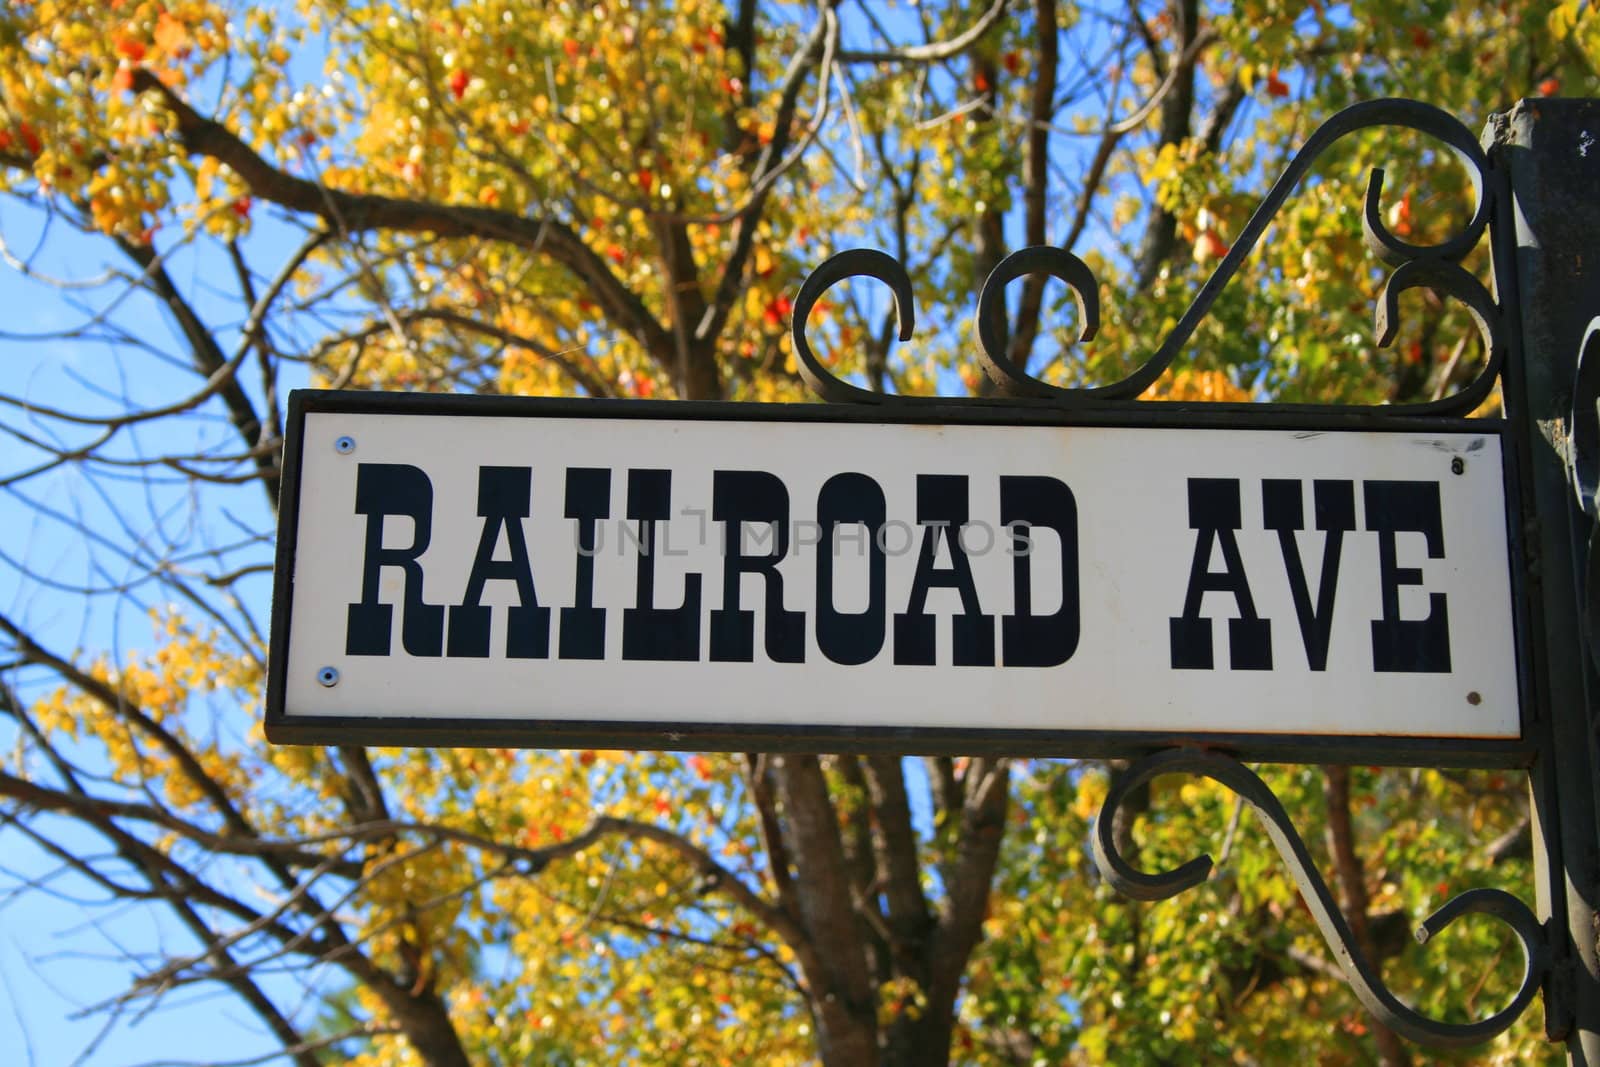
x=845 y=637
x=1284 y=511
x=504 y=500
x=583 y=626
x=1029 y=640
x=382 y=490
x=1407 y=645
x=942 y=507
x=1214 y=512
x=649 y=632
x=738 y=497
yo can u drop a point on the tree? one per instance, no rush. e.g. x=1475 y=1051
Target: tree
x=620 y=200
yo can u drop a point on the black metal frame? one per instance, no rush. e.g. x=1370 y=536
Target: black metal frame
x=1365 y=979
x=1547 y=947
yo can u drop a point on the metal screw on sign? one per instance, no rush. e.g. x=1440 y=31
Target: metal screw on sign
x=345 y=445
x=328 y=676
x=1458 y=465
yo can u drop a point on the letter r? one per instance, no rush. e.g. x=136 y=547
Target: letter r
x=384 y=489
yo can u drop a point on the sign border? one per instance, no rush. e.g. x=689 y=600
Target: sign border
x=1376 y=750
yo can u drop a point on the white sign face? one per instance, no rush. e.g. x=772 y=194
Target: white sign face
x=755 y=574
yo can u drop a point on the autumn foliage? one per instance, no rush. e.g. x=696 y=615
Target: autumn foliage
x=620 y=200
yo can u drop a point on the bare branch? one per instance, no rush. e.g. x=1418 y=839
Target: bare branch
x=349 y=213
x=932 y=53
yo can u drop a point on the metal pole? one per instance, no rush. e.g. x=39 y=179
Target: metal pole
x=1546 y=156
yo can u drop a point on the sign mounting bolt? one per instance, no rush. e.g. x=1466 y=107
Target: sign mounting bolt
x=1457 y=464
x=344 y=445
x=328 y=676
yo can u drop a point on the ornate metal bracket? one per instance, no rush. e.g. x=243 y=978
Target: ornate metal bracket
x=1436 y=267
x=1363 y=978
x=1432 y=266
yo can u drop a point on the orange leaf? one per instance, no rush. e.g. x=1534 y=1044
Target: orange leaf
x=1209 y=247
x=171 y=36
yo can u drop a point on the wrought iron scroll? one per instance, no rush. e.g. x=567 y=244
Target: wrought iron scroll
x=1584 y=459
x=855 y=263
x=1366 y=982
x=1435 y=267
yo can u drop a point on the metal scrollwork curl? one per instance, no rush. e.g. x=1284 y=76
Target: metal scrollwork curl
x=854 y=263
x=1434 y=266
x=1584 y=462
x=1452 y=280
x=1367 y=984
x=1036 y=259
x=1584 y=447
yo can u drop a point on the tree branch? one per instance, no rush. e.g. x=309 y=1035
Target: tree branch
x=96 y=809
x=1177 y=110
x=348 y=213
x=934 y=52
x=208 y=359
x=1036 y=173
x=771 y=163
x=1353 y=888
x=895 y=844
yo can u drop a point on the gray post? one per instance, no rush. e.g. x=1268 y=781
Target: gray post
x=1546 y=155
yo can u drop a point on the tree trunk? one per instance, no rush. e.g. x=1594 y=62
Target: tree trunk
x=1392 y=1051
x=423 y=1019
x=843 y=998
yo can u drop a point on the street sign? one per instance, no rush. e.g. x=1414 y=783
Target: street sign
x=631 y=574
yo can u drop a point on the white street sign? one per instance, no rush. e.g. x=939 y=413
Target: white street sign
x=815 y=570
